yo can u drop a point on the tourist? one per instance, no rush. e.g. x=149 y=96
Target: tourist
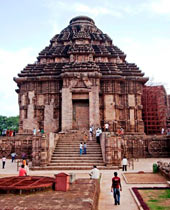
x=91 y=132
x=84 y=148
x=121 y=131
x=27 y=169
x=22 y=171
x=42 y=131
x=81 y=148
x=34 y=131
x=94 y=173
x=13 y=155
x=124 y=164
x=162 y=131
x=98 y=132
x=116 y=188
x=3 y=161
x=85 y=137
x=106 y=127
x=24 y=162
x=23 y=155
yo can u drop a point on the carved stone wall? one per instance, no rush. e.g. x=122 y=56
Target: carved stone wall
x=81 y=63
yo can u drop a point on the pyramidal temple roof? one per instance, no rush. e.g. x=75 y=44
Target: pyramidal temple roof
x=81 y=46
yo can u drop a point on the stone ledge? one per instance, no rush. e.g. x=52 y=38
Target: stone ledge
x=83 y=194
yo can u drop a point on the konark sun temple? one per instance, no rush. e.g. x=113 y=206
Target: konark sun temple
x=82 y=80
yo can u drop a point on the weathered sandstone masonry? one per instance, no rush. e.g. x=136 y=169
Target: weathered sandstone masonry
x=80 y=79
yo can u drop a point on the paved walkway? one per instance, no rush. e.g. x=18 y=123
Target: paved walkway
x=106 y=201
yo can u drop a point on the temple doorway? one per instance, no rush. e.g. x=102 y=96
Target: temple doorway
x=80 y=114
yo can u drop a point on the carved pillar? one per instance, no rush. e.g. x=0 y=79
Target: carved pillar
x=67 y=109
x=94 y=115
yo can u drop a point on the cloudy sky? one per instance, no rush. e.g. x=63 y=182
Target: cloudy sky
x=141 y=29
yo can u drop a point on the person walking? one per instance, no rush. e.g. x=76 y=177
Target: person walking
x=116 y=188
x=3 y=162
x=81 y=148
x=124 y=164
x=13 y=155
x=94 y=173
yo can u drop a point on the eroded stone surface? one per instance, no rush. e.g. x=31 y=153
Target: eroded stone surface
x=83 y=194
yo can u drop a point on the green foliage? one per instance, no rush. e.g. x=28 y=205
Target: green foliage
x=157 y=202
x=11 y=123
x=166 y=194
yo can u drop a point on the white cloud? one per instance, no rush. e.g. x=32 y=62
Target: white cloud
x=160 y=6
x=95 y=11
x=11 y=63
x=151 y=57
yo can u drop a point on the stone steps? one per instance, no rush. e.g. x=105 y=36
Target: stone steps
x=80 y=158
x=77 y=164
x=72 y=161
x=66 y=155
x=67 y=168
x=63 y=154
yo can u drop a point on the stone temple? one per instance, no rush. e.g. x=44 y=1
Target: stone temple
x=80 y=79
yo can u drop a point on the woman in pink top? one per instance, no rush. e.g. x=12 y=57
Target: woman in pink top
x=22 y=171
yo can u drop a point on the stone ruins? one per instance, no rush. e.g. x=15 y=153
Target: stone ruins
x=80 y=79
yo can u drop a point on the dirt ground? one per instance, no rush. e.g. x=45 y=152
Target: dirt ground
x=144 y=178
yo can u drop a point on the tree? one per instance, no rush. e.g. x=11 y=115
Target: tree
x=11 y=123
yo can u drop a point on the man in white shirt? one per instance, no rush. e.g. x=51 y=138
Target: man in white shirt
x=124 y=164
x=3 y=162
x=94 y=173
x=106 y=127
x=98 y=132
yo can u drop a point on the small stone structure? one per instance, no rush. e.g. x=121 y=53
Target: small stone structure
x=164 y=169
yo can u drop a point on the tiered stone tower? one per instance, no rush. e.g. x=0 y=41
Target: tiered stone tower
x=80 y=79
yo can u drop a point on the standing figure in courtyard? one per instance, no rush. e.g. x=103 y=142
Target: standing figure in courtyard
x=13 y=155
x=116 y=188
x=3 y=162
x=124 y=164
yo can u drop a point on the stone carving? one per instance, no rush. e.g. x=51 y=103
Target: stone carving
x=83 y=61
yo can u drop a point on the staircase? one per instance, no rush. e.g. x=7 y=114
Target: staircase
x=66 y=155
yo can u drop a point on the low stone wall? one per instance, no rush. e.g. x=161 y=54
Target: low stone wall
x=164 y=169
x=111 y=148
x=83 y=195
x=18 y=144
x=114 y=147
x=43 y=147
x=37 y=148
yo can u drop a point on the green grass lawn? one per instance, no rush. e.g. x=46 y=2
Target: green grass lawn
x=156 y=199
